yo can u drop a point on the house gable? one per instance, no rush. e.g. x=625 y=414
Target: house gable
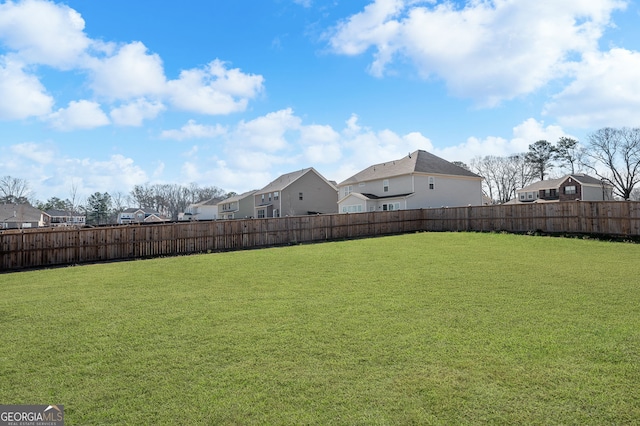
x=298 y=193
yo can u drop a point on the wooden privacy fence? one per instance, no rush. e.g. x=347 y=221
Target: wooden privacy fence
x=32 y=248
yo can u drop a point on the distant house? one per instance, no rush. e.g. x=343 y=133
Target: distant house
x=205 y=210
x=419 y=180
x=137 y=215
x=237 y=207
x=297 y=193
x=22 y=216
x=573 y=187
x=66 y=218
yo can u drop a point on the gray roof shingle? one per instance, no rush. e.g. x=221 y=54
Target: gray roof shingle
x=13 y=213
x=287 y=179
x=416 y=162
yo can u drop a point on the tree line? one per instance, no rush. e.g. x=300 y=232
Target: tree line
x=103 y=207
x=610 y=154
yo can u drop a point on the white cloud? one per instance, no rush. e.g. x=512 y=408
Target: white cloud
x=159 y=170
x=217 y=172
x=486 y=50
x=130 y=73
x=37 y=153
x=524 y=134
x=134 y=113
x=42 y=32
x=192 y=130
x=51 y=174
x=116 y=172
x=321 y=144
x=268 y=132
x=371 y=147
x=21 y=95
x=214 y=89
x=81 y=114
x=606 y=92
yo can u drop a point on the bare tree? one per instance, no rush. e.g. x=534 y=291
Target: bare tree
x=119 y=202
x=73 y=192
x=171 y=199
x=617 y=152
x=14 y=190
x=503 y=175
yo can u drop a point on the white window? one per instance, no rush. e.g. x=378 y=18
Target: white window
x=432 y=184
x=355 y=208
x=262 y=198
x=276 y=195
x=522 y=196
x=570 y=189
x=300 y=197
x=530 y=195
x=276 y=213
x=348 y=189
x=385 y=185
x=260 y=213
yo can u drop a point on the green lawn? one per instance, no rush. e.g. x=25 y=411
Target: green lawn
x=427 y=328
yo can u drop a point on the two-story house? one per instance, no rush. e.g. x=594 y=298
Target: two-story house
x=204 y=210
x=237 y=207
x=66 y=218
x=419 y=180
x=577 y=186
x=298 y=193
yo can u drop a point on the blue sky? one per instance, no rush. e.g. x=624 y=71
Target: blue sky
x=102 y=96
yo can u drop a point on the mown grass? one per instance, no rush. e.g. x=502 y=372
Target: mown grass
x=429 y=328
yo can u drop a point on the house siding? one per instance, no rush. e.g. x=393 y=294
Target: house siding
x=353 y=202
x=448 y=191
x=240 y=209
x=317 y=196
x=593 y=193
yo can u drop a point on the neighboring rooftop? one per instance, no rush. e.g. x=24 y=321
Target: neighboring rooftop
x=555 y=183
x=416 y=162
x=287 y=179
